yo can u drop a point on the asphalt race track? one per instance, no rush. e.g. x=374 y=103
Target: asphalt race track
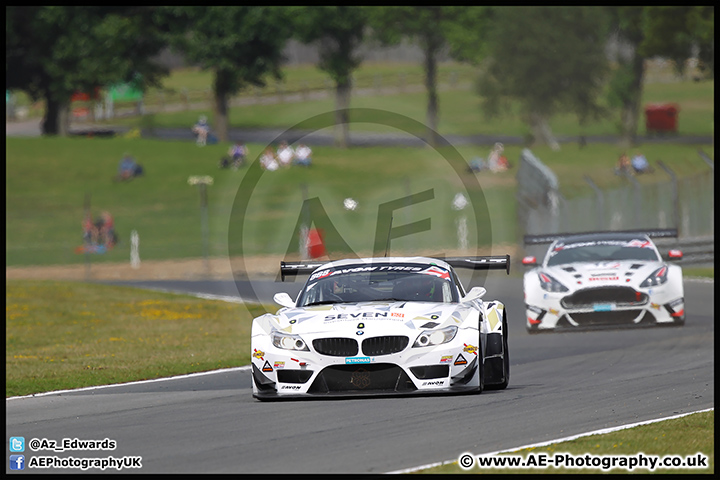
x=560 y=385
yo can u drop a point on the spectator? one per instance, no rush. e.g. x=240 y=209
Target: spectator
x=90 y=232
x=238 y=154
x=477 y=164
x=201 y=129
x=285 y=154
x=496 y=161
x=640 y=163
x=107 y=230
x=303 y=155
x=623 y=165
x=128 y=168
x=268 y=161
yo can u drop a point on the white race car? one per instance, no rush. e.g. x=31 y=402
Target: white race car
x=602 y=279
x=381 y=326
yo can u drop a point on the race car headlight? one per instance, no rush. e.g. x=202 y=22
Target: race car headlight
x=549 y=284
x=429 y=338
x=658 y=277
x=287 y=341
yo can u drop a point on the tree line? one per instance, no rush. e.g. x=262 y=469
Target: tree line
x=547 y=59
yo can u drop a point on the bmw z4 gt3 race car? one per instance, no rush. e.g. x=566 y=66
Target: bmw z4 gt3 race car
x=602 y=279
x=381 y=326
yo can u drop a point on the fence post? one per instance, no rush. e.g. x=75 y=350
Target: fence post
x=600 y=203
x=636 y=191
x=675 y=195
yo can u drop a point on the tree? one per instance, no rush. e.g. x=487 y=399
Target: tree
x=431 y=27
x=241 y=46
x=338 y=32
x=53 y=51
x=672 y=32
x=550 y=60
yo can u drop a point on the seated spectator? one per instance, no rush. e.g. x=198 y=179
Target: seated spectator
x=128 y=168
x=640 y=164
x=303 y=155
x=107 y=236
x=268 y=161
x=623 y=166
x=285 y=154
x=477 y=164
x=238 y=153
x=496 y=161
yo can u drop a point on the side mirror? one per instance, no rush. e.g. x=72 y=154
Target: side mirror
x=283 y=299
x=675 y=254
x=529 y=261
x=473 y=294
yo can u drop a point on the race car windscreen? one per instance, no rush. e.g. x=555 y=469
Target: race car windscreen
x=601 y=251
x=368 y=283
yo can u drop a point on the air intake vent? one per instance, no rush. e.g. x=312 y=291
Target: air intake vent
x=384 y=345
x=336 y=347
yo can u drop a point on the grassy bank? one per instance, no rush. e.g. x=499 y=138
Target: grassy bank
x=685 y=436
x=72 y=335
x=48 y=180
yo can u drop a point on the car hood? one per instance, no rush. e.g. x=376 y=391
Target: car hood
x=374 y=317
x=594 y=274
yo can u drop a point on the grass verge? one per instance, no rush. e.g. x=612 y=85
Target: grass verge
x=71 y=335
x=685 y=436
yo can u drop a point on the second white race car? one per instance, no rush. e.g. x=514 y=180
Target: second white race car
x=602 y=279
x=381 y=326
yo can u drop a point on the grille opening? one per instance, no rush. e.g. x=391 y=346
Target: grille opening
x=384 y=345
x=336 y=347
x=372 y=378
x=618 y=295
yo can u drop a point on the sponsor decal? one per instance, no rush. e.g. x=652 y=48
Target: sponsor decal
x=446 y=359
x=397 y=315
x=603 y=307
x=384 y=268
x=258 y=354
x=293 y=321
x=290 y=387
x=353 y=360
x=434 y=383
x=615 y=277
x=277 y=365
x=460 y=360
x=553 y=311
x=434 y=317
x=361 y=325
x=359 y=332
x=655 y=306
x=267 y=367
x=438 y=272
x=470 y=349
x=352 y=316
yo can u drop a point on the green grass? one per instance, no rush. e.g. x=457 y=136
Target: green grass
x=64 y=335
x=685 y=436
x=48 y=178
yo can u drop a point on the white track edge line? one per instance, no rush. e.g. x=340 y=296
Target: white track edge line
x=550 y=442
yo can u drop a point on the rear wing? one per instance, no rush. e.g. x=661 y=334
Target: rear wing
x=551 y=237
x=495 y=262
x=498 y=262
x=298 y=268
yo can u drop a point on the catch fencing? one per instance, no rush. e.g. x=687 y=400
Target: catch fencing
x=685 y=203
